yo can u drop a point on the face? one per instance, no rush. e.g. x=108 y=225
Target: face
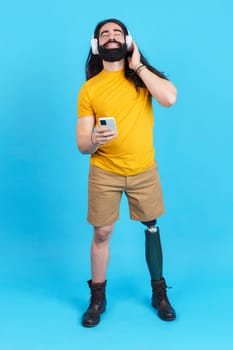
x=112 y=46
x=111 y=35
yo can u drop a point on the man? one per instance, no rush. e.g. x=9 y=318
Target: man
x=120 y=84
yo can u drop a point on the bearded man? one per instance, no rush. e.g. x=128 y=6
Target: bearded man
x=121 y=84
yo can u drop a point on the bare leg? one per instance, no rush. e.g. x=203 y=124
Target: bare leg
x=99 y=264
x=100 y=252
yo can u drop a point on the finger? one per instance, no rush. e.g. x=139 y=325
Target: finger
x=101 y=129
x=106 y=137
x=134 y=45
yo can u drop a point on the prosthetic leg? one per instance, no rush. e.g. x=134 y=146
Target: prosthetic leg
x=154 y=260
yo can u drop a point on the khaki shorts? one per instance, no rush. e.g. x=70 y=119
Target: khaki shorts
x=105 y=189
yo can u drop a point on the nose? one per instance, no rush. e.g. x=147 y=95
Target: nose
x=111 y=37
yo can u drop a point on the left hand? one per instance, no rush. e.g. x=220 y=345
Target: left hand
x=135 y=58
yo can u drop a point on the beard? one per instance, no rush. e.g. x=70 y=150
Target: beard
x=113 y=55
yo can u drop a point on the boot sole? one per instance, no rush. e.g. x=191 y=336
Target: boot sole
x=89 y=325
x=168 y=318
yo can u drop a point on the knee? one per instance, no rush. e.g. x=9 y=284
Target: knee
x=102 y=234
x=150 y=223
x=151 y=226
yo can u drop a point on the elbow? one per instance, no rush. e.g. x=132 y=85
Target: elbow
x=82 y=149
x=170 y=100
x=81 y=144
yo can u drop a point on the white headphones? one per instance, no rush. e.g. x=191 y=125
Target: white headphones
x=94 y=44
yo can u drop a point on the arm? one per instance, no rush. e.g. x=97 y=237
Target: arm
x=87 y=140
x=161 y=89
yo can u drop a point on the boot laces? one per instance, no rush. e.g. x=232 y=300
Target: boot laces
x=161 y=294
x=97 y=296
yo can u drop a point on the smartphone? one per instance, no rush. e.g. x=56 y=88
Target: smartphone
x=109 y=122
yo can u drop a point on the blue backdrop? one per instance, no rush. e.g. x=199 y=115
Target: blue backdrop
x=44 y=247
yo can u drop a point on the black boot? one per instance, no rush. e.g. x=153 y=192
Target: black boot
x=160 y=300
x=97 y=304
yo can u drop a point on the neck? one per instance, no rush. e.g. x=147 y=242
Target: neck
x=114 y=66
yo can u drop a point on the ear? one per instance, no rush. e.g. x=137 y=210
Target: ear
x=94 y=46
x=129 y=42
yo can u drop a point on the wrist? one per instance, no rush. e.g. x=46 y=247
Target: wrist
x=137 y=66
x=140 y=69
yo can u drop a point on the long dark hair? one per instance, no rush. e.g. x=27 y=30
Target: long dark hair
x=94 y=63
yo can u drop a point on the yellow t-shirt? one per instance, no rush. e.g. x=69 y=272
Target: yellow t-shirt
x=110 y=94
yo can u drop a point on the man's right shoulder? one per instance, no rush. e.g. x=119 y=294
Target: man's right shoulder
x=90 y=83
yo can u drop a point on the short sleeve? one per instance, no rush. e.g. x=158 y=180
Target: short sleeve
x=84 y=103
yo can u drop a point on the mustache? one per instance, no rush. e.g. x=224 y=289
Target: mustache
x=112 y=41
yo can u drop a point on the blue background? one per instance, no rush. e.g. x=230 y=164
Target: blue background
x=45 y=239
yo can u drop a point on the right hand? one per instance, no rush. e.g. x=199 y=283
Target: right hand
x=103 y=135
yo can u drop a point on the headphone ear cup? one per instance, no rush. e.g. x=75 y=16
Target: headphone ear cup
x=129 y=42
x=94 y=46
